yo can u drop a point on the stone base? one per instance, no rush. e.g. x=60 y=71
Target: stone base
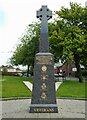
x=43 y=93
x=43 y=108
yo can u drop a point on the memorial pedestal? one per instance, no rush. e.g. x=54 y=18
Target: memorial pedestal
x=43 y=94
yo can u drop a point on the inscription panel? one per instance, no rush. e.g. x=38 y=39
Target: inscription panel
x=43 y=60
x=43 y=110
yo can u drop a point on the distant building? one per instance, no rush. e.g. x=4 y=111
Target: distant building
x=69 y=69
x=18 y=70
x=9 y=68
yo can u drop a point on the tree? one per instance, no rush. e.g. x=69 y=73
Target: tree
x=67 y=38
x=70 y=35
x=83 y=26
x=4 y=69
x=56 y=39
x=28 y=47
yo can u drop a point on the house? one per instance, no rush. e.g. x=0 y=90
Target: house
x=9 y=68
x=69 y=69
x=18 y=70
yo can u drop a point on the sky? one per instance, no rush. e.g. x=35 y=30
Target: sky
x=15 y=15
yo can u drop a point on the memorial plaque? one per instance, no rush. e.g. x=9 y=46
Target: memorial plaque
x=43 y=94
x=44 y=60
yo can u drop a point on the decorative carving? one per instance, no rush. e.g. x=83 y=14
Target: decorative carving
x=43 y=86
x=44 y=68
x=44 y=78
x=43 y=60
x=43 y=96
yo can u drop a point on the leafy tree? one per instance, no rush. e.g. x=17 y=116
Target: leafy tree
x=28 y=47
x=83 y=26
x=4 y=69
x=56 y=39
x=69 y=34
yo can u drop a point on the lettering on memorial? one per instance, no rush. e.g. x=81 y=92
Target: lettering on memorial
x=43 y=110
x=43 y=60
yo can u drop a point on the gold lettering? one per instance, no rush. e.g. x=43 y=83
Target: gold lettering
x=47 y=110
x=52 y=110
x=37 y=110
x=34 y=110
x=43 y=110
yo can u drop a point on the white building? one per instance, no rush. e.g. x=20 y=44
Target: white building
x=9 y=68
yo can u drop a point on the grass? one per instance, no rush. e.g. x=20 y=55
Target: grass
x=13 y=86
x=72 y=89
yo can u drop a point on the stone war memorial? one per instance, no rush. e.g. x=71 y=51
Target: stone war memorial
x=43 y=94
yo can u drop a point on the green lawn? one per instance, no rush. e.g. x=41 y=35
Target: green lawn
x=12 y=86
x=72 y=89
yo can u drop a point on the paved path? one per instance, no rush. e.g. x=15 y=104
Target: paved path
x=20 y=109
x=57 y=84
x=29 y=85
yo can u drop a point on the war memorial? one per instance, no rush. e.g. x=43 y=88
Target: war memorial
x=43 y=94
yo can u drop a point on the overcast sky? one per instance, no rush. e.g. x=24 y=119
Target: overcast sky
x=15 y=15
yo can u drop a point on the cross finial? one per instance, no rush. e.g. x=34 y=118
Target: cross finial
x=44 y=12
